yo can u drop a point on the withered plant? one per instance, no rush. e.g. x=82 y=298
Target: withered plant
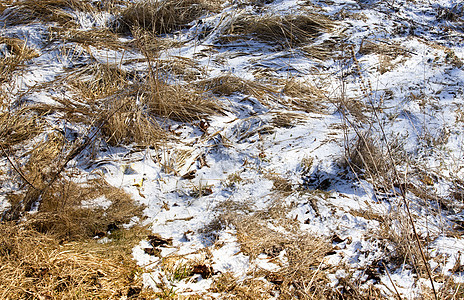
x=161 y=17
x=17 y=53
x=288 y=31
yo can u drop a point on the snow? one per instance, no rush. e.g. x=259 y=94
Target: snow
x=427 y=94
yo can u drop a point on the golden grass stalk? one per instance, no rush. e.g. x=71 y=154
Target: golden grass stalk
x=150 y=43
x=131 y=124
x=41 y=159
x=98 y=80
x=62 y=213
x=303 y=96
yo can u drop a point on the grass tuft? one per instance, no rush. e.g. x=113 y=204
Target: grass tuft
x=37 y=266
x=226 y=85
x=19 y=126
x=29 y=11
x=13 y=54
x=288 y=31
x=161 y=17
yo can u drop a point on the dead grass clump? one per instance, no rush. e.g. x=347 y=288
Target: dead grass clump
x=288 y=31
x=385 y=48
x=107 y=95
x=323 y=51
x=19 y=126
x=364 y=157
x=161 y=17
x=231 y=287
x=280 y=184
x=301 y=275
x=151 y=44
x=36 y=266
x=98 y=80
x=130 y=124
x=356 y=108
x=71 y=211
x=229 y=84
x=396 y=232
x=304 y=96
x=28 y=11
x=43 y=157
x=287 y=119
x=13 y=54
x=182 y=67
x=98 y=37
x=2 y=7
x=177 y=102
x=387 y=53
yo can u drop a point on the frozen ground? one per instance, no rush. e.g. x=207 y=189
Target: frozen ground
x=392 y=72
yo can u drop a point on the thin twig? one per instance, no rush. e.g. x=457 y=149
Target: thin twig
x=17 y=169
x=394 y=286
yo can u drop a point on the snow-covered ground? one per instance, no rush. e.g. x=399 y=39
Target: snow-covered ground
x=392 y=73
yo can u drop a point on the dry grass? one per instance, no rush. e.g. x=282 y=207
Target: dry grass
x=284 y=119
x=395 y=231
x=386 y=51
x=151 y=44
x=323 y=51
x=161 y=17
x=154 y=96
x=229 y=84
x=15 y=54
x=304 y=96
x=97 y=81
x=177 y=102
x=280 y=184
x=364 y=156
x=28 y=11
x=131 y=124
x=62 y=212
x=43 y=157
x=2 y=7
x=288 y=31
x=384 y=48
x=19 y=126
x=129 y=108
x=301 y=277
x=101 y=38
x=182 y=67
x=37 y=266
x=230 y=287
